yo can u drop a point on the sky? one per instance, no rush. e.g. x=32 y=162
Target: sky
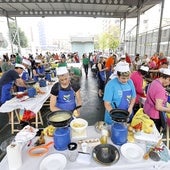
x=66 y=26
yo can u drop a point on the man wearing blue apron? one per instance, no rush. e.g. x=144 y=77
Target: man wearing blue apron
x=64 y=94
x=8 y=79
x=119 y=93
x=26 y=73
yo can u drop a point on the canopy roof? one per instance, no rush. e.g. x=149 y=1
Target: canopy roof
x=82 y=8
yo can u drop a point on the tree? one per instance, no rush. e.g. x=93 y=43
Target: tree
x=23 y=39
x=110 y=39
x=3 y=41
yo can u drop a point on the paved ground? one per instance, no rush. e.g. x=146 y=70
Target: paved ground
x=92 y=109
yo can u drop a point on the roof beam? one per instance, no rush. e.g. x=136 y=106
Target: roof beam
x=48 y=13
x=104 y=2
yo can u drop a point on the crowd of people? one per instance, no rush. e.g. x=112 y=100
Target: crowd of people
x=121 y=81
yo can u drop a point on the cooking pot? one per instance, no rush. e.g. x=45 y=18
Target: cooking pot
x=60 y=118
x=119 y=115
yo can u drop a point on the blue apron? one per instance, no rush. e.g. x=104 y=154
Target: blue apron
x=124 y=104
x=40 y=70
x=66 y=100
x=6 y=92
x=25 y=76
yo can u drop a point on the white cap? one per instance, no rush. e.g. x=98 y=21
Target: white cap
x=19 y=66
x=61 y=71
x=123 y=68
x=122 y=56
x=165 y=71
x=144 y=68
x=37 y=61
x=26 y=61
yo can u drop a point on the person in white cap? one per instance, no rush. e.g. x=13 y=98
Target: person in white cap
x=156 y=99
x=138 y=78
x=26 y=73
x=122 y=61
x=65 y=95
x=7 y=80
x=119 y=93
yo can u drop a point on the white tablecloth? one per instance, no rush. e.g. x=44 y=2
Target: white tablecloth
x=123 y=164
x=34 y=104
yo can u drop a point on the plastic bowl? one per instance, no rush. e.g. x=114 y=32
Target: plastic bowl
x=78 y=125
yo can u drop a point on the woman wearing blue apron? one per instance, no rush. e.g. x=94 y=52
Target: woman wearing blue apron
x=38 y=70
x=64 y=94
x=119 y=93
x=26 y=73
x=7 y=80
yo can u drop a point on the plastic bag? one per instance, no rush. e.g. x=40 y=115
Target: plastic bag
x=142 y=121
x=26 y=115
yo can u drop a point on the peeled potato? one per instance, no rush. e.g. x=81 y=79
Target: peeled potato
x=75 y=113
x=130 y=128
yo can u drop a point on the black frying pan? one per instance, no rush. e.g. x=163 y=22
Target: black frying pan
x=59 y=118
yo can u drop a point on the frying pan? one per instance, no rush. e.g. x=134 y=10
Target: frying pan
x=61 y=123
x=59 y=120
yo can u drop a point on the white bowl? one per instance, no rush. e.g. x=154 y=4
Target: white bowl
x=78 y=124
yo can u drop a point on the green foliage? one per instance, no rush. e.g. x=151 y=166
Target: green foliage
x=22 y=37
x=109 y=40
x=3 y=41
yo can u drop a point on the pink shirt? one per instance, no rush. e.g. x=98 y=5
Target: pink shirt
x=155 y=91
x=137 y=79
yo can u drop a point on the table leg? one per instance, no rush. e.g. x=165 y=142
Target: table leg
x=12 y=121
x=167 y=137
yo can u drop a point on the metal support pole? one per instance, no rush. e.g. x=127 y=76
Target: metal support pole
x=10 y=36
x=124 y=34
x=137 y=30
x=18 y=38
x=160 y=27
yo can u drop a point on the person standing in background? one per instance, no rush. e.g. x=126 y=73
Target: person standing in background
x=128 y=59
x=109 y=65
x=86 y=64
x=140 y=84
x=101 y=75
x=6 y=64
x=63 y=62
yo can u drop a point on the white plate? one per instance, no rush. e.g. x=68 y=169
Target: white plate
x=26 y=134
x=132 y=152
x=53 y=162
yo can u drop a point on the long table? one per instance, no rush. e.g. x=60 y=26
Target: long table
x=34 y=104
x=33 y=163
